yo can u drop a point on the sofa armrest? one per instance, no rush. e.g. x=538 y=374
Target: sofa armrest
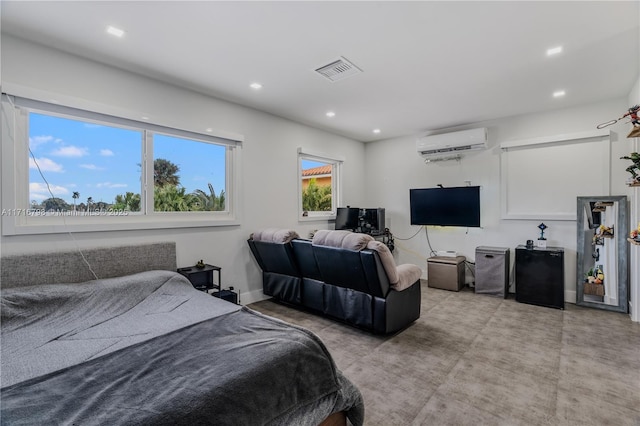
x=386 y=258
x=408 y=274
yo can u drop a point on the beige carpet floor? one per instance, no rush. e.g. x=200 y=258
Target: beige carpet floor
x=481 y=360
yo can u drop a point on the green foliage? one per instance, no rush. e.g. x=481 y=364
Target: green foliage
x=316 y=198
x=55 y=204
x=208 y=202
x=171 y=198
x=128 y=202
x=165 y=173
x=168 y=195
x=100 y=205
x=221 y=200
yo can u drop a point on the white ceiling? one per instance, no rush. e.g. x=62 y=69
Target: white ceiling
x=426 y=65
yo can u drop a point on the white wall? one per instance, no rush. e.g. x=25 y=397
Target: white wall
x=393 y=166
x=269 y=156
x=375 y=174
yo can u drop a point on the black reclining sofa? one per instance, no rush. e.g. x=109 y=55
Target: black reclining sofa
x=343 y=275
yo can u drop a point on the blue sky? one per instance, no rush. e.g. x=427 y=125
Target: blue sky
x=308 y=164
x=102 y=161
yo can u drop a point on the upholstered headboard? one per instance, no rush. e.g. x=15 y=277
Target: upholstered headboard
x=69 y=266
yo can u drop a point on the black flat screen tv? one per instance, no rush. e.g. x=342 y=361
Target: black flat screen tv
x=347 y=218
x=455 y=206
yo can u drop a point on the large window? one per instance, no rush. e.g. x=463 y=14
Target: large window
x=78 y=167
x=319 y=178
x=89 y=171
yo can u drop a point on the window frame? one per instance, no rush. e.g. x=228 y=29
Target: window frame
x=15 y=176
x=149 y=177
x=336 y=185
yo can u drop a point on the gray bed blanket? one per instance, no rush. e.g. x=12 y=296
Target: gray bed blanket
x=227 y=366
x=49 y=327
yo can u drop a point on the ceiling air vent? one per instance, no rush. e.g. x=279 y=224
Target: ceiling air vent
x=338 y=70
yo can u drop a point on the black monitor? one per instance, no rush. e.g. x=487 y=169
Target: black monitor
x=373 y=221
x=347 y=218
x=456 y=206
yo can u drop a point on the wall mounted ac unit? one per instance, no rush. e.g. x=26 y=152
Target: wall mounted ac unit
x=450 y=146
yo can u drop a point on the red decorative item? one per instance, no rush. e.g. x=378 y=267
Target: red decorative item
x=632 y=113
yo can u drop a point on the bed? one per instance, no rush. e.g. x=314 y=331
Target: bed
x=141 y=346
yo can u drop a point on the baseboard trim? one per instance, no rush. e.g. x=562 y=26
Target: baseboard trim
x=249 y=297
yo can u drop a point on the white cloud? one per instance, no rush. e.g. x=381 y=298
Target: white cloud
x=70 y=151
x=46 y=165
x=39 y=191
x=106 y=153
x=111 y=185
x=91 y=167
x=36 y=141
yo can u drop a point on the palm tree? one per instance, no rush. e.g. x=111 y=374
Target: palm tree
x=170 y=198
x=221 y=200
x=207 y=202
x=75 y=196
x=89 y=201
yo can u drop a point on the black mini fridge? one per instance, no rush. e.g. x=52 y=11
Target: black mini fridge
x=539 y=276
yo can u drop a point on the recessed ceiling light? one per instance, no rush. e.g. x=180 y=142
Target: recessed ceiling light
x=559 y=93
x=209 y=129
x=115 y=31
x=331 y=114
x=376 y=131
x=554 y=50
x=144 y=117
x=256 y=86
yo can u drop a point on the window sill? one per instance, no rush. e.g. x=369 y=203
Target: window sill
x=59 y=225
x=317 y=218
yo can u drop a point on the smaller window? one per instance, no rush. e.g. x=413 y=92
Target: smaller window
x=318 y=186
